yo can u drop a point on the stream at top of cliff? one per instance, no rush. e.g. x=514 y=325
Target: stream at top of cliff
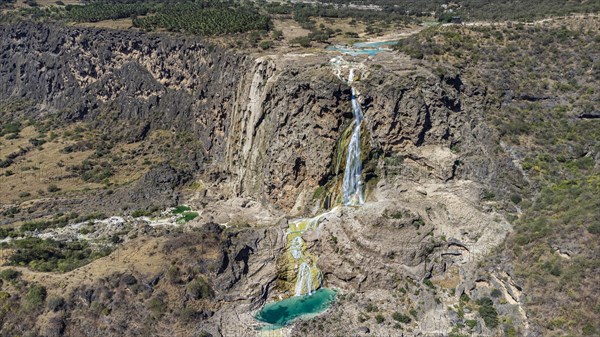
x=363 y=48
x=309 y=298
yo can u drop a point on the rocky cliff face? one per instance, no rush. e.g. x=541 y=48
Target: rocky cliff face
x=267 y=127
x=125 y=82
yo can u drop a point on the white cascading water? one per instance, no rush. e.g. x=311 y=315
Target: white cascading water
x=296 y=247
x=352 y=190
x=304 y=282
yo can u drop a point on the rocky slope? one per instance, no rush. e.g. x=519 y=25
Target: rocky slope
x=268 y=130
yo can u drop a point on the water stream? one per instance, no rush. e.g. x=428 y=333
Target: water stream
x=352 y=190
x=309 y=298
x=364 y=48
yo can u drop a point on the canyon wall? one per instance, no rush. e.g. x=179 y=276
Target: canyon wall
x=267 y=127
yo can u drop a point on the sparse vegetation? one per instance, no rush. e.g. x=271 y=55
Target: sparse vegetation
x=198 y=289
x=372 y=307
x=428 y=283
x=401 y=318
x=140 y=212
x=488 y=312
x=53 y=188
x=495 y=293
x=9 y=274
x=157 y=306
x=35 y=296
x=55 y=303
x=51 y=255
x=557 y=148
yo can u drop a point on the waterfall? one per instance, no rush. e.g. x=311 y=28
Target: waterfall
x=304 y=283
x=308 y=276
x=296 y=245
x=352 y=189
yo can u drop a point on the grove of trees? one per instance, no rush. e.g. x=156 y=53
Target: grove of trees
x=197 y=19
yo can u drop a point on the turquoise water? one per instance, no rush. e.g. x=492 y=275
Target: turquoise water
x=374 y=44
x=353 y=52
x=279 y=314
x=363 y=48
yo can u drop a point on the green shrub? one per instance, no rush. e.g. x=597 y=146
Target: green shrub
x=8 y=232
x=53 y=188
x=379 y=318
x=199 y=288
x=401 y=318
x=594 y=228
x=10 y=128
x=488 y=312
x=488 y=195
x=140 y=212
x=589 y=330
x=35 y=226
x=55 y=303
x=9 y=274
x=510 y=331
x=393 y=215
x=157 y=306
x=86 y=230
x=35 y=296
x=277 y=34
x=173 y=275
x=187 y=314
x=264 y=45
x=418 y=223
x=189 y=216
x=516 y=199
x=181 y=209
x=372 y=307
x=303 y=41
x=428 y=283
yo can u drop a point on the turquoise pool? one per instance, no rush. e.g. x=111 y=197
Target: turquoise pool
x=280 y=314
